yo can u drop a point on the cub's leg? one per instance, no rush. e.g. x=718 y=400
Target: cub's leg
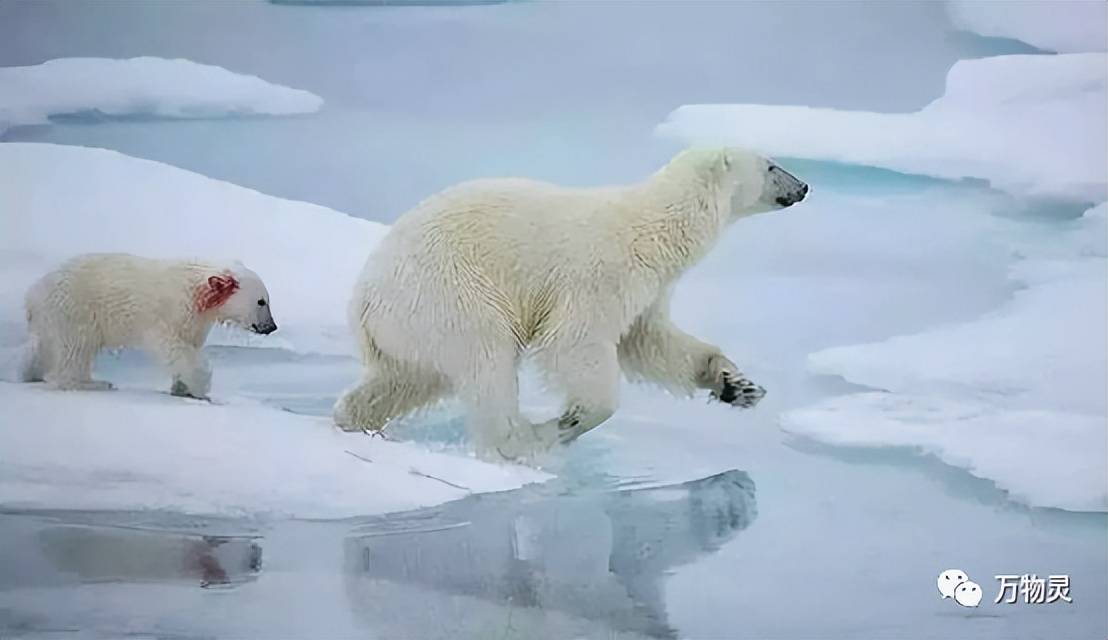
x=185 y=359
x=35 y=360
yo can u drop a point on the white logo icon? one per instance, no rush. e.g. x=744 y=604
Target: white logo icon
x=954 y=583
x=968 y=594
x=949 y=579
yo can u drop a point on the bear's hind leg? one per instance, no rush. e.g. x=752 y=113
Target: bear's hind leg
x=71 y=369
x=384 y=394
x=589 y=375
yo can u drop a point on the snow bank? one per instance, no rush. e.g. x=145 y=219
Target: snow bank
x=145 y=450
x=140 y=86
x=1065 y=27
x=1023 y=385
x=1030 y=125
x=59 y=201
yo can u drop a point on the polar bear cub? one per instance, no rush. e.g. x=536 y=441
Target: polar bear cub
x=484 y=272
x=104 y=301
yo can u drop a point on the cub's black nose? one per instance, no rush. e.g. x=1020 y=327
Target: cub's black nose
x=264 y=329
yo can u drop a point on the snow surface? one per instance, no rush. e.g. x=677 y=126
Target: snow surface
x=1071 y=26
x=136 y=449
x=60 y=200
x=1029 y=124
x=1016 y=396
x=143 y=86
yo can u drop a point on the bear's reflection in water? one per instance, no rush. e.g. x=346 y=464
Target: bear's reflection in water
x=41 y=554
x=531 y=564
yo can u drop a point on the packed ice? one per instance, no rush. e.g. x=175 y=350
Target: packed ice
x=146 y=86
x=1056 y=103
x=1069 y=27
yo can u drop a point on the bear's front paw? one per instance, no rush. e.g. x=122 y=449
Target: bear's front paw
x=738 y=391
x=729 y=386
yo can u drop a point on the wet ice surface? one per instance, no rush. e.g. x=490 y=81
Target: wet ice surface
x=676 y=519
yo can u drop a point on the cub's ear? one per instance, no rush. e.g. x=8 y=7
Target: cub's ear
x=725 y=160
x=221 y=283
x=215 y=292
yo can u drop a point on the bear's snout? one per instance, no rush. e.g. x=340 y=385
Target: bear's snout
x=789 y=189
x=264 y=328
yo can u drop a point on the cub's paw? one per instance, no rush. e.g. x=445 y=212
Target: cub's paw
x=181 y=390
x=83 y=385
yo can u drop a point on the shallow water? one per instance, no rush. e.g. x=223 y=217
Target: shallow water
x=675 y=519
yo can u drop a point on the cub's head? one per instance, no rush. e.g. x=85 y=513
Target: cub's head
x=237 y=296
x=751 y=183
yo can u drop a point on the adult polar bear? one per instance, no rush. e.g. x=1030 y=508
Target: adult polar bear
x=472 y=278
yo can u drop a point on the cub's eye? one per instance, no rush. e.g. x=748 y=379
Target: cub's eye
x=261 y=303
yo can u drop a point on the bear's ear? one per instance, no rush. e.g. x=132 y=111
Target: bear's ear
x=725 y=160
x=215 y=292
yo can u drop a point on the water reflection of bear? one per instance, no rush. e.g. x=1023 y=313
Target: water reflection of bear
x=117 y=554
x=595 y=558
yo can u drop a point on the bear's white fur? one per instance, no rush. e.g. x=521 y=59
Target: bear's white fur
x=474 y=277
x=105 y=301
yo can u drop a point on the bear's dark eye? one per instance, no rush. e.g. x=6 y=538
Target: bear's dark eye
x=261 y=303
